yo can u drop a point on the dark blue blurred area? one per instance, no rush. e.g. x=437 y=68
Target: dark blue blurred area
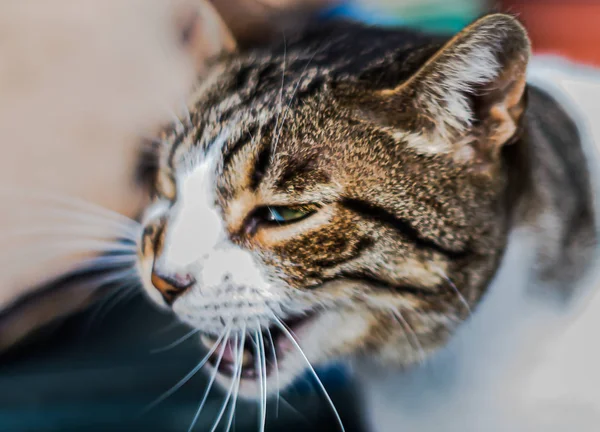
x=95 y=372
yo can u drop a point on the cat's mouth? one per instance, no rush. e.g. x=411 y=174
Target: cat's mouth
x=262 y=351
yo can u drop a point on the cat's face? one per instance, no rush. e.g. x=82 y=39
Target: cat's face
x=357 y=206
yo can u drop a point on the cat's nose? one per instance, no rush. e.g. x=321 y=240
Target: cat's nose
x=171 y=285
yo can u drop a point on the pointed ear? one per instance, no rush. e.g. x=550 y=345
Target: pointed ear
x=203 y=32
x=469 y=98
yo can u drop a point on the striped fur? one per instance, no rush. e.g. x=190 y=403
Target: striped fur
x=419 y=156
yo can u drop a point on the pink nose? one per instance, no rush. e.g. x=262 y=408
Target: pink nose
x=171 y=286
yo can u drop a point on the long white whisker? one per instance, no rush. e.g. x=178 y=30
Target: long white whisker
x=123 y=275
x=410 y=333
x=210 y=382
x=21 y=193
x=234 y=381
x=65 y=248
x=239 y=378
x=280 y=104
x=291 y=338
x=106 y=262
x=59 y=220
x=262 y=358
x=274 y=352
x=128 y=284
x=176 y=343
x=194 y=371
x=126 y=292
x=261 y=383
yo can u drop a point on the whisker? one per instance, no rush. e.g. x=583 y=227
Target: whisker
x=231 y=386
x=292 y=97
x=210 y=382
x=194 y=371
x=67 y=230
x=176 y=343
x=295 y=411
x=274 y=352
x=239 y=378
x=105 y=262
x=291 y=338
x=461 y=298
x=124 y=293
x=263 y=371
x=410 y=334
x=60 y=217
x=81 y=204
x=258 y=367
x=65 y=248
x=280 y=104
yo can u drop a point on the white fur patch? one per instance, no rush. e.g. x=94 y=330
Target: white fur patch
x=195 y=226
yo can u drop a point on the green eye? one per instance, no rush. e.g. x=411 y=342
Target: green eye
x=288 y=214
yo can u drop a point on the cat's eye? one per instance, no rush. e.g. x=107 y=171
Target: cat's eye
x=284 y=214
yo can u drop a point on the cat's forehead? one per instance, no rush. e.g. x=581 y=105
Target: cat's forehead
x=257 y=83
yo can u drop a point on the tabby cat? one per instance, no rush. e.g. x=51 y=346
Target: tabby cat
x=349 y=193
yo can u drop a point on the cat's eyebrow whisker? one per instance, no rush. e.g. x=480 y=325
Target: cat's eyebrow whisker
x=410 y=334
x=221 y=341
x=211 y=380
x=177 y=342
x=280 y=104
x=292 y=339
x=292 y=97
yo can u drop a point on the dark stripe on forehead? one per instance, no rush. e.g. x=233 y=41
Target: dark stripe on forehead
x=381 y=215
x=231 y=150
x=179 y=139
x=261 y=164
x=254 y=134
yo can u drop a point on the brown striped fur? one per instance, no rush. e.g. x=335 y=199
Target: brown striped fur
x=419 y=155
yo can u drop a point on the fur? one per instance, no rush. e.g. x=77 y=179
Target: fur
x=416 y=157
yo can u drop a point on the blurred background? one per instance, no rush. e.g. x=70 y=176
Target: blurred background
x=75 y=357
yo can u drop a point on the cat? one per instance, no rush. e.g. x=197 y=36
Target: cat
x=357 y=193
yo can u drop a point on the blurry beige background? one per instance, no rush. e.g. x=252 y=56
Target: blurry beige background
x=81 y=81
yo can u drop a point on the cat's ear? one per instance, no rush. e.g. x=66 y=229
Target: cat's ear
x=202 y=31
x=469 y=98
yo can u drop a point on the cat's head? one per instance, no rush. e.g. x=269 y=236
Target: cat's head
x=347 y=192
